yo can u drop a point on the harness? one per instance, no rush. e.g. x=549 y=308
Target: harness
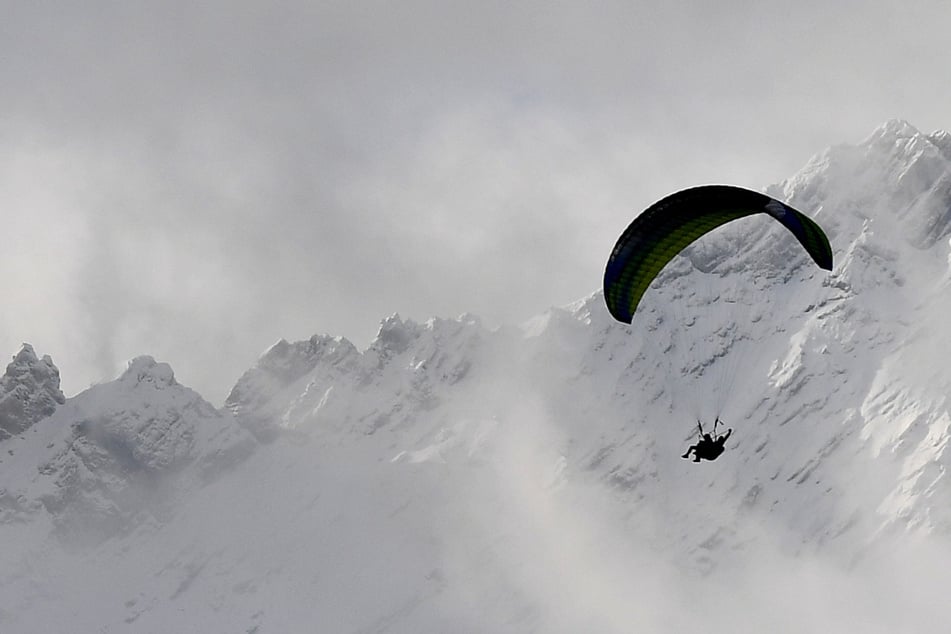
x=708 y=450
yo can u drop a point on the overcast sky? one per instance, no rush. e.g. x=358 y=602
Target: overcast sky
x=196 y=180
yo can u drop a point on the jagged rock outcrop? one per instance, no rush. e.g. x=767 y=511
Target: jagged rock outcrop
x=29 y=391
x=324 y=381
x=287 y=370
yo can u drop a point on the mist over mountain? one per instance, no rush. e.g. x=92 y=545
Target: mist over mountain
x=454 y=477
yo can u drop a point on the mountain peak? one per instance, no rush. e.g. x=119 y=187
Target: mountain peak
x=896 y=129
x=280 y=369
x=287 y=362
x=395 y=334
x=26 y=354
x=29 y=391
x=942 y=140
x=145 y=369
x=904 y=143
x=897 y=178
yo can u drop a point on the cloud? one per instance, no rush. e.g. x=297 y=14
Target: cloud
x=536 y=544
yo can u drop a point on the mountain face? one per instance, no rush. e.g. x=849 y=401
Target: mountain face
x=453 y=477
x=110 y=458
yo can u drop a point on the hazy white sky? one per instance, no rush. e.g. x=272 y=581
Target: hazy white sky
x=196 y=180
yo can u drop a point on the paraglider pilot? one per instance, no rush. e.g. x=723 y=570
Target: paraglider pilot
x=708 y=447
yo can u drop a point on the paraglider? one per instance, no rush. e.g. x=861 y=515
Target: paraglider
x=669 y=226
x=708 y=447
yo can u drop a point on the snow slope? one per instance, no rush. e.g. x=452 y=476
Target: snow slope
x=453 y=477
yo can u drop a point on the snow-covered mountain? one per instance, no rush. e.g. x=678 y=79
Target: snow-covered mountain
x=453 y=477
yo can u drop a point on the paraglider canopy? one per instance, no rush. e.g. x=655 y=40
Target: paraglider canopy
x=668 y=226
